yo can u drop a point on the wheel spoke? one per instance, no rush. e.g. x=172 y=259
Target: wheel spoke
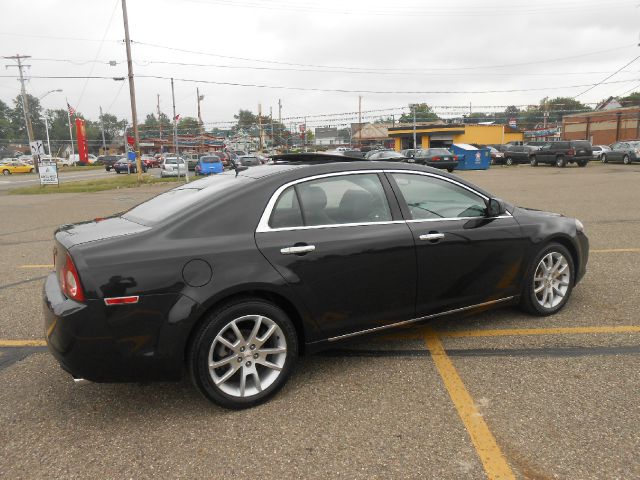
x=226 y=342
x=256 y=328
x=236 y=331
x=256 y=381
x=267 y=335
x=222 y=362
x=243 y=382
x=269 y=364
x=540 y=288
x=545 y=296
x=272 y=351
x=228 y=374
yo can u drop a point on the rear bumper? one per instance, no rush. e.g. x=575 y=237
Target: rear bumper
x=117 y=344
x=442 y=165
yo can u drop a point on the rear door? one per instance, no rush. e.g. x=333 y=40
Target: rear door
x=464 y=258
x=344 y=249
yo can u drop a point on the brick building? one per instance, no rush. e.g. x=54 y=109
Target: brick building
x=603 y=127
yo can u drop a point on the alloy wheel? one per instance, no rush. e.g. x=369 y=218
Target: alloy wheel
x=247 y=356
x=626 y=160
x=509 y=161
x=551 y=280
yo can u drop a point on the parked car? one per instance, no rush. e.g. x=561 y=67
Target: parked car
x=598 y=150
x=436 y=157
x=231 y=278
x=248 y=161
x=150 y=161
x=562 y=153
x=516 y=154
x=625 y=152
x=192 y=160
x=209 y=164
x=16 y=167
x=173 y=167
x=109 y=160
x=497 y=157
x=224 y=158
x=409 y=152
x=124 y=165
x=386 y=155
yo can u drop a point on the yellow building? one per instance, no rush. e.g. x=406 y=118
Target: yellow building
x=435 y=135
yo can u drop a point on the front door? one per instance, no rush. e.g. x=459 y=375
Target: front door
x=336 y=242
x=464 y=258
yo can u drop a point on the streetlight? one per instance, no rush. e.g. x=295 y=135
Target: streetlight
x=46 y=123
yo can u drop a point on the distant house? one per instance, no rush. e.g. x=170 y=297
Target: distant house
x=371 y=134
x=327 y=136
x=610 y=103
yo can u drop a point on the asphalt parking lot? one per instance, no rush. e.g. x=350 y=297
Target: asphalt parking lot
x=498 y=394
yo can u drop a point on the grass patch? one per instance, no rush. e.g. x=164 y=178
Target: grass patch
x=97 y=185
x=62 y=168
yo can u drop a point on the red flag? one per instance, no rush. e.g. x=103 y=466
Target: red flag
x=177 y=117
x=83 y=148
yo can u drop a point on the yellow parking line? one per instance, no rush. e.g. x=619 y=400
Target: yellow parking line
x=37 y=266
x=615 y=250
x=22 y=343
x=494 y=463
x=540 y=331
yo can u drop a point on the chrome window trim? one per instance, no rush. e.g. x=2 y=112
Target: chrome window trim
x=263 y=224
x=419 y=319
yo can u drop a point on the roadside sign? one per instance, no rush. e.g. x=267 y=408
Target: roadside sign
x=48 y=172
x=37 y=147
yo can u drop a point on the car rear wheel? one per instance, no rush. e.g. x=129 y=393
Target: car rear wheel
x=243 y=353
x=582 y=163
x=603 y=158
x=626 y=160
x=561 y=162
x=533 y=161
x=550 y=281
x=450 y=170
x=509 y=161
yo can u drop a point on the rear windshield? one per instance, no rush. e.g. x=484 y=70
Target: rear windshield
x=439 y=151
x=210 y=160
x=173 y=161
x=172 y=203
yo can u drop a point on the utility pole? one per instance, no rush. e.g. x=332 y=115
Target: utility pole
x=175 y=134
x=200 y=124
x=305 y=134
x=25 y=101
x=271 y=118
x=159 y=122
x=413 y=106
x=280 y=120
x=260 y=126
x=132 y=92
x=360 y=121
x=104 y=143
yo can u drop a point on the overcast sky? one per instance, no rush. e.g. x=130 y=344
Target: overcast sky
x=457 y=46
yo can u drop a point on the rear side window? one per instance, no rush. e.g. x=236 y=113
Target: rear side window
x=586 y=145
x=335 y=200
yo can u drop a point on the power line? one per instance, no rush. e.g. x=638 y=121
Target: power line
x=602 y=82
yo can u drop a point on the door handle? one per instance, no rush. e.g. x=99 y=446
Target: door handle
x=432 y=237
x=297 y=250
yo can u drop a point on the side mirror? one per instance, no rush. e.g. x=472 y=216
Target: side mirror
x=495 y=207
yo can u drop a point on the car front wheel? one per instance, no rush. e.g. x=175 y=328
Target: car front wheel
x=550 y=281
x=533 y=161
x=243 y=353
x=509 y=161
x=626 y=160
x=603 y=158
x=6 y=172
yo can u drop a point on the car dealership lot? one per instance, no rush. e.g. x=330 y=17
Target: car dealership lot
x=509 y=395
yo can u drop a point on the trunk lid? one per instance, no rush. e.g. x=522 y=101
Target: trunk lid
x=95 y=230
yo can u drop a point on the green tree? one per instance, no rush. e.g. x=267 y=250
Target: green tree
x=631 y=100
x=16 y=117
x=424 y=113
x=188 y=126
x=6 y=128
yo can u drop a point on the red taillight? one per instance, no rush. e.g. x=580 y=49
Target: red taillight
x=455 y=157
x=435 y=159
x=70 y=281
x=571 y=152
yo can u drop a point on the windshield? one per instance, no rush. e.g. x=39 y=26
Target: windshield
x=210 y=160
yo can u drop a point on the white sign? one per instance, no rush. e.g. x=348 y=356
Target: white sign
x=37 y=147
x=48 y=172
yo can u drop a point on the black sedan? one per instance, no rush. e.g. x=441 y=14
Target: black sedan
x=437 y=158
x=231 y=278
x=125 y=165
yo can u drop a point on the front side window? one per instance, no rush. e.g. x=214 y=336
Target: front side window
x=432 y=198
x=334 y=200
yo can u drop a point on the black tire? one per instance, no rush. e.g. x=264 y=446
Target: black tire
x=218 y=321
x=582 y=163
x=508 y=161
x=626 y=160
x=528 y=300
x=603 y=158
x=450 y=170
x=6 y=172
x=561 y=162
x=533 y=161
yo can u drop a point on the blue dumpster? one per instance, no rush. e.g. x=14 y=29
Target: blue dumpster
x=470 y=157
